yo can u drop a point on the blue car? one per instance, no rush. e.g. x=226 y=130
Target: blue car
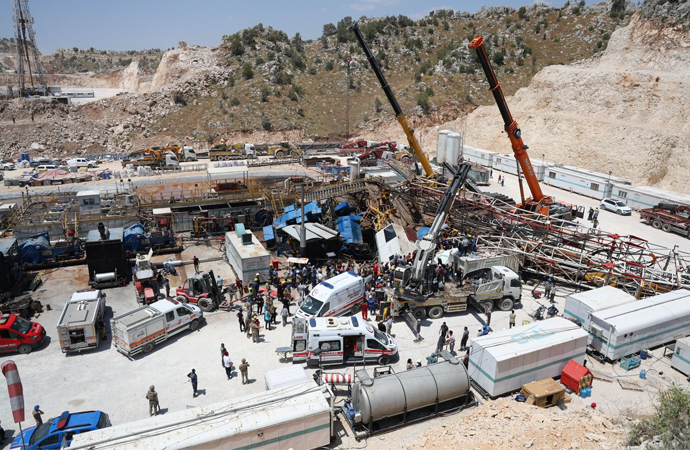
x=51 y=433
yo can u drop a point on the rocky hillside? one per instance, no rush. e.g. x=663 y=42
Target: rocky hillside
x=262 y=80
x=625 y=110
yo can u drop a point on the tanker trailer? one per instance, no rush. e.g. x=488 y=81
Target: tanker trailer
x=396 y=399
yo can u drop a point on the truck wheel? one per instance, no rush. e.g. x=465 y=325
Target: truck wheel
x=666 y=227
x=24 y=349
x=148 y=347
x=205 y=305
x=656 y=224
x=194 y=325
x=280 y=154
x=384 y=360
x=419 y=313
x=488 y=306
x=435 y=312
x=506 y=304
x=90 y=166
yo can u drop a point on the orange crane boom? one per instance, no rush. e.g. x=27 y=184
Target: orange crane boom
x=511 y=126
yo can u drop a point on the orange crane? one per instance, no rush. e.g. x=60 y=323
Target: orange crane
x=399 y=114
x=539 y=202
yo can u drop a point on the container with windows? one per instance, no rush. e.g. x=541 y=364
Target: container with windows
x=341 y=340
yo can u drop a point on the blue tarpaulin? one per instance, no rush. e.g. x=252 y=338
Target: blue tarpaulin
x=422 y=232
x=344 y=209
x=349 y=228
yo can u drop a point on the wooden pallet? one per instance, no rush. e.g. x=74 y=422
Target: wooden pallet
x=630 y=385
x=603 y=379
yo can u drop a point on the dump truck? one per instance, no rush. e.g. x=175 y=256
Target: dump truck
x=139 y=330
x=78 y=323
x=224 y=152
x=668 y=217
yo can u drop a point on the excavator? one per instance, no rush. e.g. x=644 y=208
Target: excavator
x=399 y=114
x=538 y=203
x=154 y=157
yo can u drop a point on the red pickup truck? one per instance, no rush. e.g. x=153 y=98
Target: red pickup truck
x=21 y=335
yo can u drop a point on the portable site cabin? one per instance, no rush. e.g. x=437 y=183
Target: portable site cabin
x=629 y=328
x=681 y=356
x=246 y=255
x=508 y=164
x=581 y=181
x=579 y=306
x=479 y=156
x=640 y=197
x=294 y=417
x=503 y=361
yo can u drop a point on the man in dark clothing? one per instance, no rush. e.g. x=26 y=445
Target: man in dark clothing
x=241 y=319
x=194 y=379
x=196 y=264
x=465 y=337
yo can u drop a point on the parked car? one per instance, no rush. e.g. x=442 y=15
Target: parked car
x=616 y=206
x=6 y=165
x=81 y=162
x=46 y=167
x=20 y=335
x=52 y=432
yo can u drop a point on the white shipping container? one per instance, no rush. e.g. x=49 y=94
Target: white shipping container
x=581 y=181
x=681 y=356
x=646 y=196
x=247 y=260
x=479 y=156
x=503 y=361
x=285 y=377
x=627 y=329
x=296 y=417
x=508 y=164
x=579 y=306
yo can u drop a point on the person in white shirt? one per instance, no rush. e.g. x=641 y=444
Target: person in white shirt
x=227 y=363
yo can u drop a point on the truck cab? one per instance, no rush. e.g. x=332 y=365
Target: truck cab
x=17 y=334
x=341 y=340
x=188 y=153
x=500 y=286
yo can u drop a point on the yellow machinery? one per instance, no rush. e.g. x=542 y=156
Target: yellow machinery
x=399 y=114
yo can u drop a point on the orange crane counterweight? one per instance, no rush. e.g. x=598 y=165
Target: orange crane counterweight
x=511 y=126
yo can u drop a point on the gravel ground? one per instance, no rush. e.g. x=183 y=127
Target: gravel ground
x=106 y=380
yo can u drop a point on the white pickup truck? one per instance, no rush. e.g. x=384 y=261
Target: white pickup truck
x=138 y=331
x=81 y=162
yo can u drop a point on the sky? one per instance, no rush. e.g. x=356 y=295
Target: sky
x=144 y=24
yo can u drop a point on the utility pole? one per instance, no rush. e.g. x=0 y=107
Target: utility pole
x=302 y=230
x=347 y=118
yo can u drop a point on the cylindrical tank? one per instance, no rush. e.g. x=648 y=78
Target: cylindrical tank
x=102 y=277
x=441 y=146
x=354 y=169
x=418 y=388
x=451 y=148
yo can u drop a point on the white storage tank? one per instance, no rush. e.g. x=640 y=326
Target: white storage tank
x=452 y=148
x=441 y=146
x=579 y=306
x=503 y=361
x=627 y=329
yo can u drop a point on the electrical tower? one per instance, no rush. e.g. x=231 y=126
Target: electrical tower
x=28 y=62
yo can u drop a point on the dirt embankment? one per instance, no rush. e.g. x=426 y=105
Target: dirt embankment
x=626 y=111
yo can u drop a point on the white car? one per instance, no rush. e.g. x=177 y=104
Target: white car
x=6 y=165
x=616 y=206
x=81 y=162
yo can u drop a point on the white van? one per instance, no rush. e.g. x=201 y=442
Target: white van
x=340 y=340
x=336 y=296
x=44 y=167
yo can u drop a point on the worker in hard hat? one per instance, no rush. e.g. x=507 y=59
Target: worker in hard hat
x=547 y=288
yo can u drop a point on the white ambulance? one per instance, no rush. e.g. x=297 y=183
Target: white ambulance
x=340 y=340
x=336 y=296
